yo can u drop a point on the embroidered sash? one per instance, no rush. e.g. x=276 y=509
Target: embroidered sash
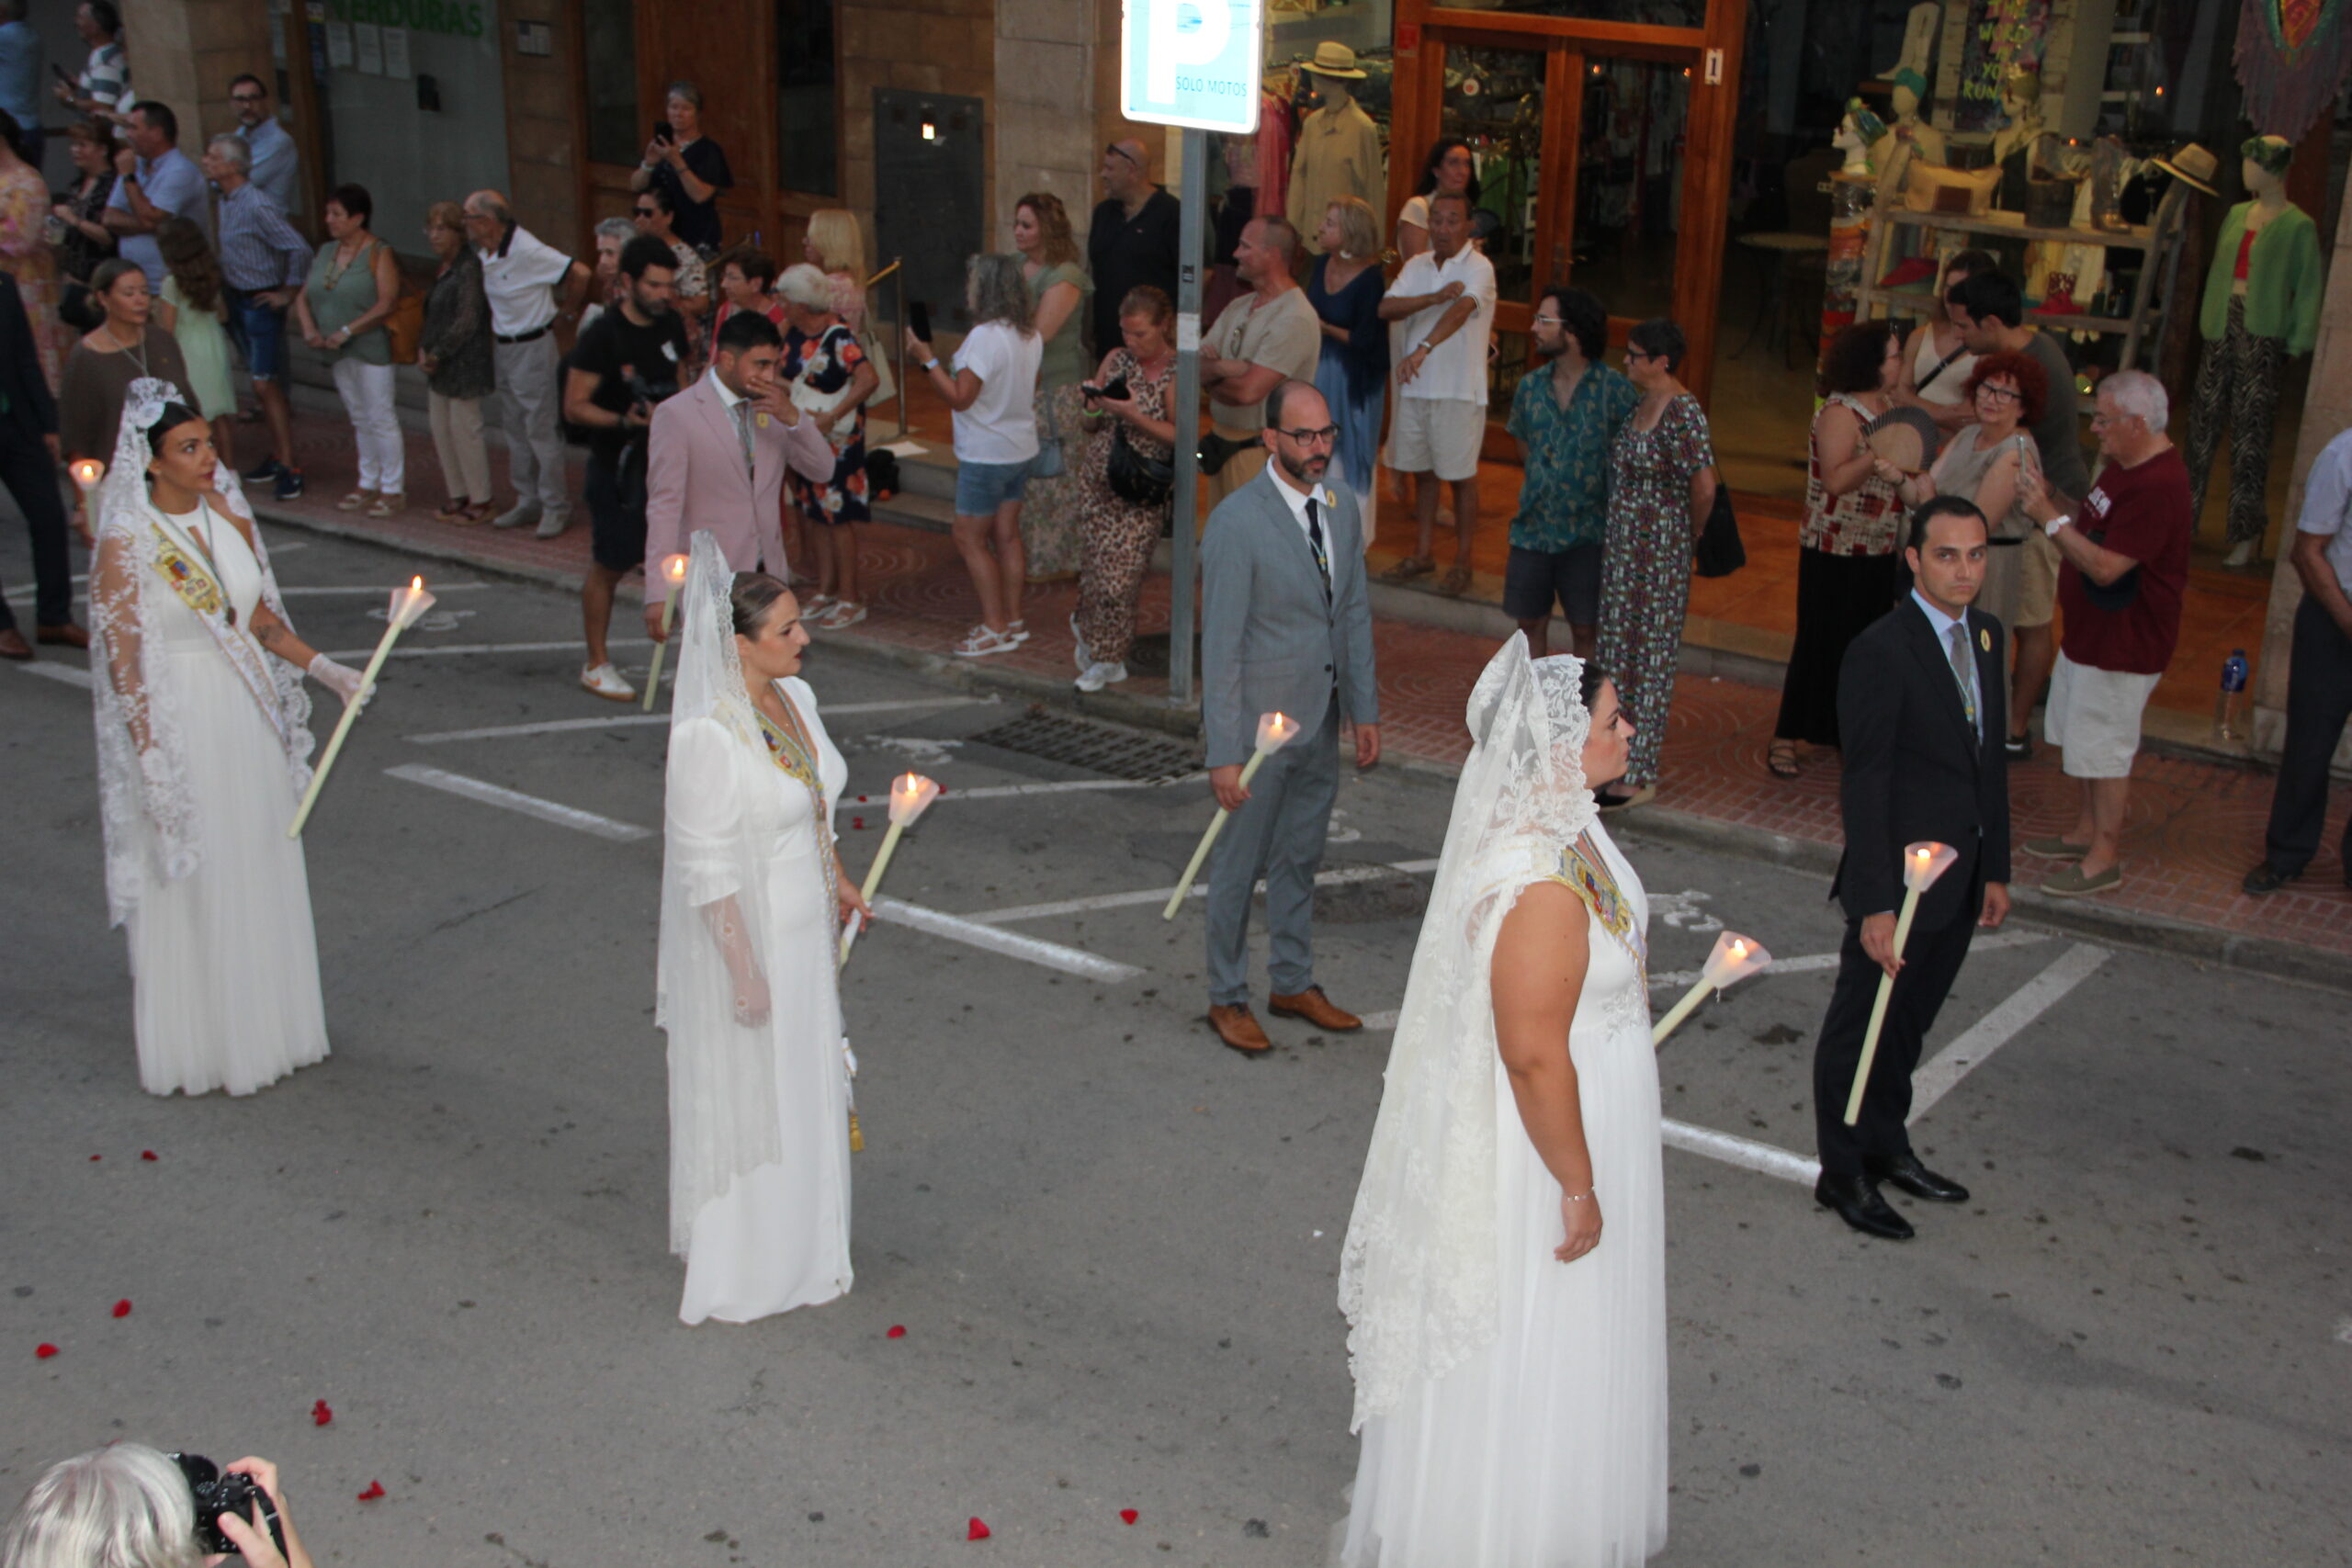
x=1588 y=877
x=184 y=566
x=796 y=758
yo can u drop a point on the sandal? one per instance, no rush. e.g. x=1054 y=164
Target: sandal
x=1408 y=569
x=355 y=501
x=386 y=504
x=451 y=511
x=480 y=511
x=1456 y=579
x=1782 y=760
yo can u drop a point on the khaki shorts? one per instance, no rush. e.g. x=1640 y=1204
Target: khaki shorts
x=2094 y=717
x=2037 y=583
x=1439 y=435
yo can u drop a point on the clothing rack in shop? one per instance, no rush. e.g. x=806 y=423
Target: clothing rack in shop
x=2159 y=241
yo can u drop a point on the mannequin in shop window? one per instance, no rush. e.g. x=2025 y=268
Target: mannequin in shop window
x=1924 y=139
x=1338 y=146
x=2014 y=143
x=2261 y=305
x=1860 y=130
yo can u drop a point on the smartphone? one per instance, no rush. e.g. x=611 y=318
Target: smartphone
x=1116 y=391
x=663 y=134
x=59 y=71
x=919 y=320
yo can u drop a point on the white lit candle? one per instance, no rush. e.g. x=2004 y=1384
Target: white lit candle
x=1275 y=732
x=408 y=604
x=1922 y=863
x=911 y=796
x=1735 y=958
x=673 y=567
x=88 y=472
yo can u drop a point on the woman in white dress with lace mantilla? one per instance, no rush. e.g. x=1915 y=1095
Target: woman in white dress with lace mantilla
x=752 y=901
x=204 y=743
x=1504 y=1275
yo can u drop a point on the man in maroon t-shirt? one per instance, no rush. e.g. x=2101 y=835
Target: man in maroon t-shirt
x=2124 y=564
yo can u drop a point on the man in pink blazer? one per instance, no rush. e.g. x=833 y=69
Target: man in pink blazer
x=717 y=460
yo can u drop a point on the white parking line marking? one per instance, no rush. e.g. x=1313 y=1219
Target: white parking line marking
x=1745 y=1153
x=625 y=720
x=1010 y=945
x=529 y=805
x=429 y=650
x=385 y=594
x=67 y=674
x=1335 y=878
x=1998 y=1028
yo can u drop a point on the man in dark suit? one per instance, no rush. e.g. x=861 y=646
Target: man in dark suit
x=1921 y=707
x=28 y=459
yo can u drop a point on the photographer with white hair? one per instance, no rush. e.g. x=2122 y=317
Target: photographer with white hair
x=2123 y=571
x=127 y=1506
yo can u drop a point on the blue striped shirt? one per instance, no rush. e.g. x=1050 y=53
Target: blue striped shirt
x=259 y=250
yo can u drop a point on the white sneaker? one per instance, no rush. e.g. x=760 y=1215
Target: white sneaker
x=979 y=642
x=1078 y=644
x=844 y=614
x=1098 y=675
x=605 y=681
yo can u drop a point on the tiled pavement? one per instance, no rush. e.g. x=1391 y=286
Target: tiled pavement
x=2195 y=826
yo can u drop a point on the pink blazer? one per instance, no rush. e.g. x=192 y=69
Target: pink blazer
x=694 y=480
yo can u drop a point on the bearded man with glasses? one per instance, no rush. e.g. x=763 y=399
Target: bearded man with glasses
x=1285 y=627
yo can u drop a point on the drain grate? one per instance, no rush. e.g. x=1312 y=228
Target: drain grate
x=1116 y=753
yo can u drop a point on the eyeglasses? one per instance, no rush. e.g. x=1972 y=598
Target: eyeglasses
x=1323 y=437
x=1634 y=353
x=246 y=97
x=2003 y=394
x=1550 y=321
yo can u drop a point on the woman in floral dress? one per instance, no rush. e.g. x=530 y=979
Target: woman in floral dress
x=1051 y=262
x=24 y=248
x=831 y=377
x=1661 y=487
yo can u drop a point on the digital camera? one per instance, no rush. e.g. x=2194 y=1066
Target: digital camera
x=221 y=1492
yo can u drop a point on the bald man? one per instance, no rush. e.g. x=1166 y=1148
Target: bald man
x=526 y=281
x=1133 y=239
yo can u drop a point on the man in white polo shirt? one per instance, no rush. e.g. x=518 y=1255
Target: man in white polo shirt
x=520 y=273
x=1445 y=296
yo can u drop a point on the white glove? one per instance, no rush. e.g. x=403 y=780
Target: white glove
x=340 y=679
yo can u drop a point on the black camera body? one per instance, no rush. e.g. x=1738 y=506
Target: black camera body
x=1116 y=392
x=219 y=1492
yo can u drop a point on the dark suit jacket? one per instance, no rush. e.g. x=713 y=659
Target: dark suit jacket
x=31 y=411
x=1914 y=770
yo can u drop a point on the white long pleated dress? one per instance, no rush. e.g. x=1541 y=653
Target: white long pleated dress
x=1547 y=1449
x=225 y=962
x=773 y=1233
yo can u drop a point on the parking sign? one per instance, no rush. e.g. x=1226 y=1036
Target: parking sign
x=1195 y=63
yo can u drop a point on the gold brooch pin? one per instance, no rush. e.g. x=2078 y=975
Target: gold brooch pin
x=1984 y=639
x=762 y=420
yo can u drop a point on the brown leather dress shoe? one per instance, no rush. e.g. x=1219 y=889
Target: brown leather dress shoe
x=13 y=646
x=1237 y=1028
x=66 y=633
x=1312 y=1005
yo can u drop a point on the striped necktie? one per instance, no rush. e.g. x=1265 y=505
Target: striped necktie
x=1315 y=542
x=743 y=433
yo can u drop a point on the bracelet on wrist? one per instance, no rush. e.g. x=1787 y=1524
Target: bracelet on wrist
x=1584 y=1197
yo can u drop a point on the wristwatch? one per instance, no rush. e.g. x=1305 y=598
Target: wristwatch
x=2056 y=524
x=930 y=365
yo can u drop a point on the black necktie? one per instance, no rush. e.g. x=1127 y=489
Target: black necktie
x=1315 y=541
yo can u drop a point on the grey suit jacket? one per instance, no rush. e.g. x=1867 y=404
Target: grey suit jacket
x=1269 y=641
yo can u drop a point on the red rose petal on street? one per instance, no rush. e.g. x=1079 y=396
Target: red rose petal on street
x=1128 y=1515
x=122 y=1308
x=94 y=1158
x=976 y=1530
x=146 y=1153
x=320 y=1414
x=44 y=1351
x=857 y=821
x=375 y=1490
x=897 y=1331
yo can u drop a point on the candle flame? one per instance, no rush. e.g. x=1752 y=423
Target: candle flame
x=1738 y=948
x=909 y=785
x=1281 y=724
x=416 y=585
x=675 y=569
x=87 y=471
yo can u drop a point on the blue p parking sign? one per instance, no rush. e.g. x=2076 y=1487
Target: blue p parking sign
x=1195 y=63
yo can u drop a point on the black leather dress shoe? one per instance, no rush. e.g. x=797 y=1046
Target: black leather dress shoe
x=1855 y=1200
x=1905 y=1171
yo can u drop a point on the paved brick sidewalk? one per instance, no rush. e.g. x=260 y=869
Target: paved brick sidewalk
x=2194 y=829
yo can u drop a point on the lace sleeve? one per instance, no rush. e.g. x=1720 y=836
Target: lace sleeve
x=114 y=587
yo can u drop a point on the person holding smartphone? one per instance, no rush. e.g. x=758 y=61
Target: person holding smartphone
x=689 y=166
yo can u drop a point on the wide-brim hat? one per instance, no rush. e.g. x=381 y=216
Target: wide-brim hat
x=1334 y=60
x=2194 y=164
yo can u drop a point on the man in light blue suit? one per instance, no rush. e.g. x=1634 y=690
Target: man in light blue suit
x=1285 y=627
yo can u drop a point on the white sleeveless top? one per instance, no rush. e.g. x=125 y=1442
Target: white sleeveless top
x=1945 y=388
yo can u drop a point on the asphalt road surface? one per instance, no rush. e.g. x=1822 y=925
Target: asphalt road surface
x=1112 y=1244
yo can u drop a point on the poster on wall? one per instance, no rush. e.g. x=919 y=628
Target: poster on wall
x=2000 y=34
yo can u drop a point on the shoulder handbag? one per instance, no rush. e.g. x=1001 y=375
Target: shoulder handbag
x=405 y=325
x=1719 y=552
x=1136 y=478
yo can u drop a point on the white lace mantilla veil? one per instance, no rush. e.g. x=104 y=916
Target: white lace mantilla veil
x=134 y=693
x=1418 y=1275
x=723 y=1119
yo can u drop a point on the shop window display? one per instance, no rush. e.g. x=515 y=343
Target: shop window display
x=1629 y=183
